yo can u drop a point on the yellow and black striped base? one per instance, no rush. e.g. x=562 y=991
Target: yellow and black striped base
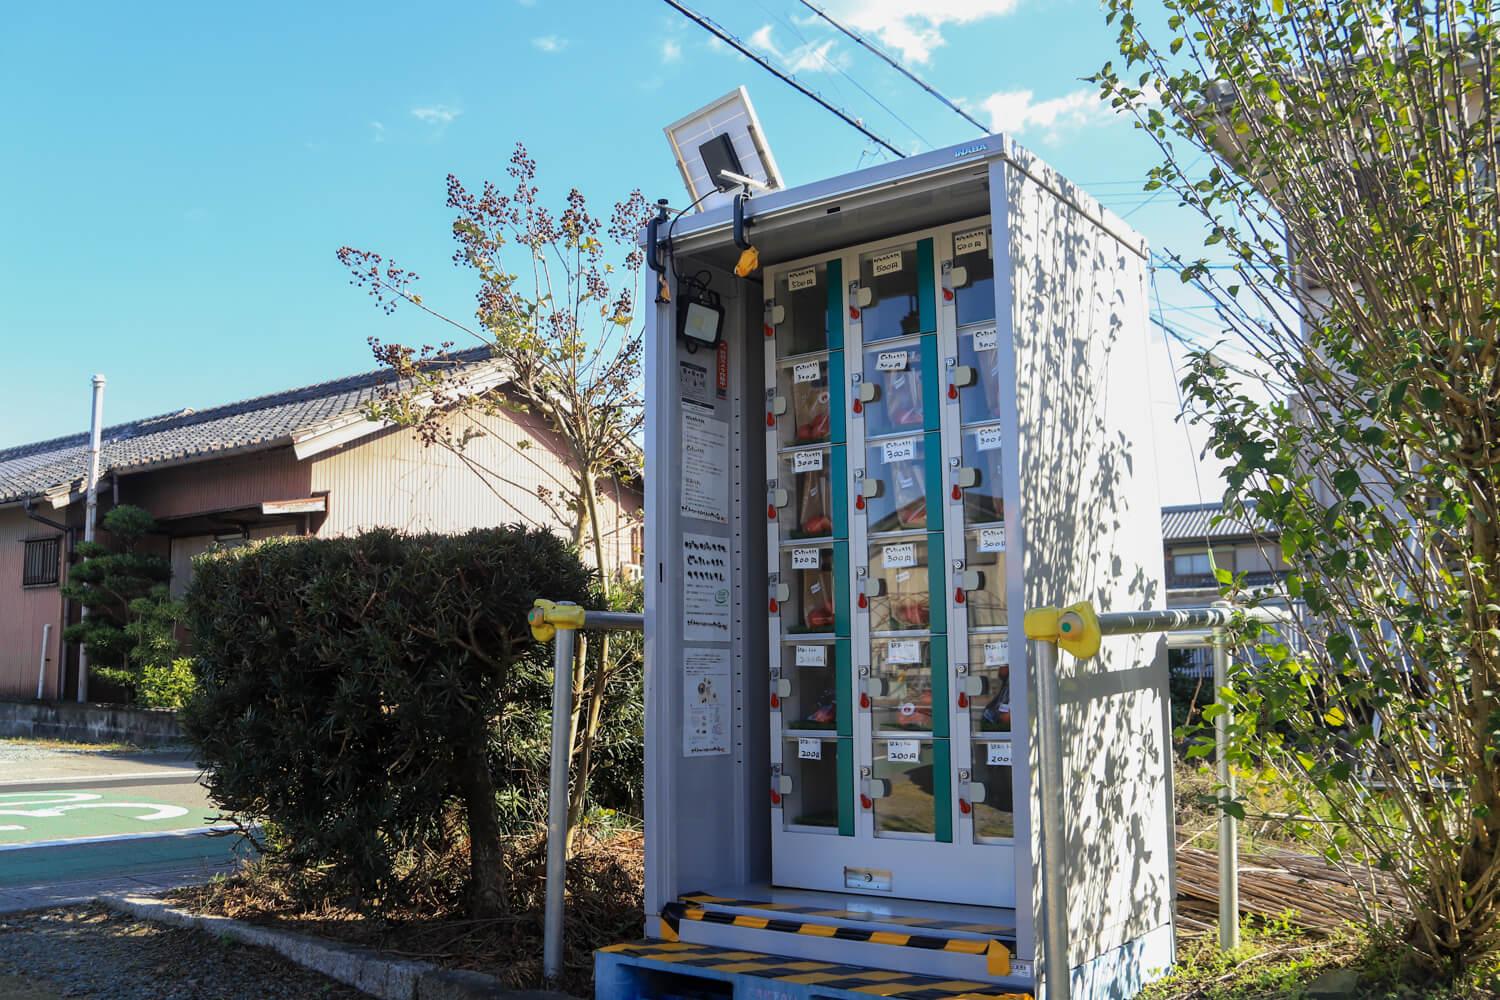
x=820 y=978
x=925 y=934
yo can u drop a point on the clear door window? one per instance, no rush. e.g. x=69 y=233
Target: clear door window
x=888 y=286
x=978 y=348
x=891 y=391
x=808 y=573
x=987 y=684
x=900 y=685
x=894 y=487
x=990 y=793
x=802 y=293
x=903 y=796
x=802 y=393
x=974 y=261
x=806 y=687
x=896 y=585
x=807 y=511
x=984 y=554
x=810 y=786
x=983 y=500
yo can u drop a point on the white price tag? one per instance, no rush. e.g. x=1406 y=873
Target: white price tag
x=804 y=559
x=997 y=754
x=812 y=656
x=809 y=749
x=997 y=654
x=807 y=461
x=903 y=751
x=990 y=438
x=805 y=278
x=985 y=340
x=896 y=556
x=890 y=361
x=991 y=539
x=971 y=242
x=904 y=450
x=903 y=576
x=886 y=263
x=807 y=371
x=905 y=651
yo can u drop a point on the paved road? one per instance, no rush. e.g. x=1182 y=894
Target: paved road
x=75 y=823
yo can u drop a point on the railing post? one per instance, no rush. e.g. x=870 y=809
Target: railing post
x=559 y=622
x=1055 y=969
x=1229 y=849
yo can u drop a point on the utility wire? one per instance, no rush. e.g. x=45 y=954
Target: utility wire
x=893 y=63
x=811 y=47
x=723 y=34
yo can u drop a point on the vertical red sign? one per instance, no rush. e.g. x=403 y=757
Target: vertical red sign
x=723 y=369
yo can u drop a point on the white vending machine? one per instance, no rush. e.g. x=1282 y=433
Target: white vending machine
x=926 y=410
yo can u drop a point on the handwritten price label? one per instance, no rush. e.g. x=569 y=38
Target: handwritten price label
x=903 y=751
x=812 y=656
x=796 y=281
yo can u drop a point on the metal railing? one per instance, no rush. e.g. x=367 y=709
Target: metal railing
x=562 y=621
x=1079 y=630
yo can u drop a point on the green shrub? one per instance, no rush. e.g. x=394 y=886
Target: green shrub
x=166 y=685
x=358 y=693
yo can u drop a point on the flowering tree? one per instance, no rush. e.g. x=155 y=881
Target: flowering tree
x=555 y=306
x=1351 y=151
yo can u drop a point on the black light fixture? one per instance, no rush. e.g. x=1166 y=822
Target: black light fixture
x=719 y=157
x=700 y=314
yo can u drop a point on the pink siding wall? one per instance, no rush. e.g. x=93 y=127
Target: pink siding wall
x=24 y=611
x=226 y=484
x=392 y=480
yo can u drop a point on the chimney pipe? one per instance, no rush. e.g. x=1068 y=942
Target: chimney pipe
x=90 y=515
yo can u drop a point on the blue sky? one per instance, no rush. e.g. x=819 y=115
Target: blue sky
x=178 y=176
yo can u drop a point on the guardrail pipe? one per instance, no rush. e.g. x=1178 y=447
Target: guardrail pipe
x=1055 y=968
x=557 y=801
x=560 y=623
x=1229 y=848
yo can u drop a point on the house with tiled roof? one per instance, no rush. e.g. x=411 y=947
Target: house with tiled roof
x=306 y=461
x=1199 y=538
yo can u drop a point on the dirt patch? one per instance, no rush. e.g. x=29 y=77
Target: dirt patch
x=604 y=906
x=91 y=952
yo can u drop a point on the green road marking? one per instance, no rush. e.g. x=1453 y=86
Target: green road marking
x=114 y=859
x=63 y=814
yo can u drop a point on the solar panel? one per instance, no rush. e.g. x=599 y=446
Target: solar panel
x=725 y=134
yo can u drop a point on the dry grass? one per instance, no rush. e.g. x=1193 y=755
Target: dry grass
x=603 y=897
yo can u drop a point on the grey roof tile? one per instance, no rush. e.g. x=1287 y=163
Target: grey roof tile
x=1196 y=523
x=261 y=422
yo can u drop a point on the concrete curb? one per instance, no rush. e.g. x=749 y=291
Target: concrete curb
x=362 y=968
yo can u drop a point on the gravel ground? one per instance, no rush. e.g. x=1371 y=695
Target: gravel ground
x=96 y=953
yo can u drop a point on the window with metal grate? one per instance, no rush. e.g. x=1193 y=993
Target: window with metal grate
x=40 y=566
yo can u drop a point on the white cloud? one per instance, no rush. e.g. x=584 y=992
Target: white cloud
x=550 y=44
x=810 y=57
x=1018 y=111
x=912 y=33
x=670 y=51
x=377 y=130
x=436 y=114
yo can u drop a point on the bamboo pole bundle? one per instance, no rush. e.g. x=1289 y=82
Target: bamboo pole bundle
x=1313 y=894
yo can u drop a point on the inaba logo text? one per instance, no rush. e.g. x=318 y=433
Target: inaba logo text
x=969 y=150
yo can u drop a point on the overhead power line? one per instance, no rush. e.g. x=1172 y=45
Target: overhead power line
x=894 y=63
x=724 y=35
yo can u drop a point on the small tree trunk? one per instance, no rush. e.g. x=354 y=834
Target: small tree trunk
x=586 y=745
x=487 y=895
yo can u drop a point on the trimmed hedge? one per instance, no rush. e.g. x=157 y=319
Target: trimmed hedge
x=354 y=691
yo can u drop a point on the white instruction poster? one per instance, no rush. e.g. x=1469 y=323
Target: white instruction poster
x=705 y=588
x=705 y=465
x=706 y=704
